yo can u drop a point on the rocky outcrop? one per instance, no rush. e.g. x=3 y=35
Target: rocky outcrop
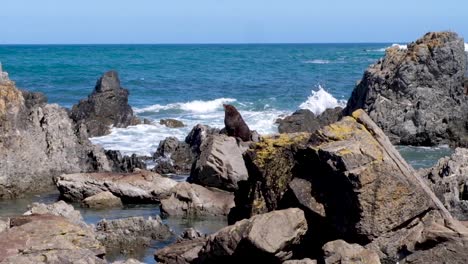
x=171 y=123
x=449 y=181
x=184 y=251
x=416 y=95
x=59 y=208
x=131 y=234
x=106 y=106
x=304 y=120
x=102 y=200
x=220 y=163
x=49 y=239
x=340 y=252
x=37 y=142
x=121 y=163
x=140 y=186
x=192 y=200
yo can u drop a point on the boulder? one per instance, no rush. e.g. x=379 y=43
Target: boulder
x=171 y=123
x=131 y=234
x=220 y=163
x=49 y=239
x=416 y=95
x=183 y=251
x=197 y=136
x=304 y=120
x=37 y=142
x=340 y=252
x=191 y=200
x=106 y=106
x=59 y=208
x=4 y=224
x=140 y=186
x=102 y=200
x=265 y=238
x=121 y=163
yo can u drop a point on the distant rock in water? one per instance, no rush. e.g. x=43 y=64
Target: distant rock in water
x=235 y=124
x=417 y=95
x=304 y=120
x=171 y=123
x=106 y=106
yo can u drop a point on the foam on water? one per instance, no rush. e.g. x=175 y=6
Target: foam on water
x=466 y=47
x=317 y=61
x=198 y=106
x=399 y=46
x=321 y=100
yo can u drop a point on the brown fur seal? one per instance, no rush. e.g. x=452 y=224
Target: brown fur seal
x=235 y=124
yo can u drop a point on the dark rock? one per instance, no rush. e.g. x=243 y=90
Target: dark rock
x=32 y=99
x=416 y=95
x=220 y=163
x=121 y=163
x=106 y=106
x=184 y=251
x=198 y=134
x=304 y=120
x=172 y=123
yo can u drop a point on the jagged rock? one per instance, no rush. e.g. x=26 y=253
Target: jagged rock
x=416 y=95
x=184 y=251
x=171 y=123
x=37 y=142
x=49 y=239
x=265 y=238
x=304 y=120
x=106 y=106
x=130 y=234
x=140 y=186
x=449 y=181
x=197 y=136
x=59 y=208
x=301 y=261
x=195 y=200
x=190 y=234
x=340 y=252
x=220 y=164
x=102 y=200
x=121 y=163
x=4 y=224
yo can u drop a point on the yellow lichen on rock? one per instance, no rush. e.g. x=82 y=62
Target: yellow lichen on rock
x=9 y=95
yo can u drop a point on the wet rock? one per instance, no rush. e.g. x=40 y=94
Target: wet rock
x=197 y=136
x=304 y=120
x=266 y=238
x=220 y=164
x=184 y=251
x=141 y=186
x=171 y=123
x=121 y=163
x=416 y=95
x=340 y=252
x=191 y=200
x=49 y=239
x=130 y=234
x=106 y=106
x=190 y=234
x=173 y=156
x=59 y=208
x=102 y=200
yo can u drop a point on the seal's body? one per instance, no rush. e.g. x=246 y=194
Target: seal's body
x=235 y=124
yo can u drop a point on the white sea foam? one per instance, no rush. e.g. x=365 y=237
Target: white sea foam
x=399 y=46
x=317 y=61
x=321 y=100
x=197 y=106
x=466 y=47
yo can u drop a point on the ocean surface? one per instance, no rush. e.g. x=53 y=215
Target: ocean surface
x=191 y=82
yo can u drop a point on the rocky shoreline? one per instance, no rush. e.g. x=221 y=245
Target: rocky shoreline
x=328 y=189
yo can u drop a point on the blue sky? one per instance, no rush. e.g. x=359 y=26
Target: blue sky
x=222 y=21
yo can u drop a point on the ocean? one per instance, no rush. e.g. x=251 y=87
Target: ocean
x=191 y=82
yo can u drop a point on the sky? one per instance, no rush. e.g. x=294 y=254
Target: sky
x=223 y=21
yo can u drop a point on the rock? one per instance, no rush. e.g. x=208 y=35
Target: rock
x=191 y=200
x=128 y=261
x=106 y=106
x=220 y=164
x=171 y=123
x=304 y=120
x=449 y=181
x=59 y=208
x=416 y=95
x=131 y=234
x=49 y=239
x=4 y=224
x=265 y=238
x=184 y=251
x=197 y=136
x=190 y=234
x=141 y=186
x=37 y=142
x=301 y=261
x=4 y=80
x=173 y=156
x=102 y=200
x=125 y=163
x=340 y=252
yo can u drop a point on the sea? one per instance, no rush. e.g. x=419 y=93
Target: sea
x=190 y=83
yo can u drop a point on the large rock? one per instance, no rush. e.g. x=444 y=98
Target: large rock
x=191 y=200
x=171 y=123
x=184 y=250
x=265 y=238
x=416 y=95
x=340 y=252
x=102 y=200
x=140 y=186
x=121 y=163
x=131 y=234
x=449 y=181
x=49 y=239
x=59 y=208
x=220 y=164
x=304 y=120
x=106 y=106
x=37 y=142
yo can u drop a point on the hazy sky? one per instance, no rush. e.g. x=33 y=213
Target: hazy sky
x=223 y=21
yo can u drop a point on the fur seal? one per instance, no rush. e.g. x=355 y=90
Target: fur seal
x=235 y=124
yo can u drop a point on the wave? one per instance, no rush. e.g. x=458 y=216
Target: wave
x=321 y=100
x=466 y=47
x=317 y=61
x=398 y=46
x=197 y=106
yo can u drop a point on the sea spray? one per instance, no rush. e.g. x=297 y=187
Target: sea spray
x=321 y=100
